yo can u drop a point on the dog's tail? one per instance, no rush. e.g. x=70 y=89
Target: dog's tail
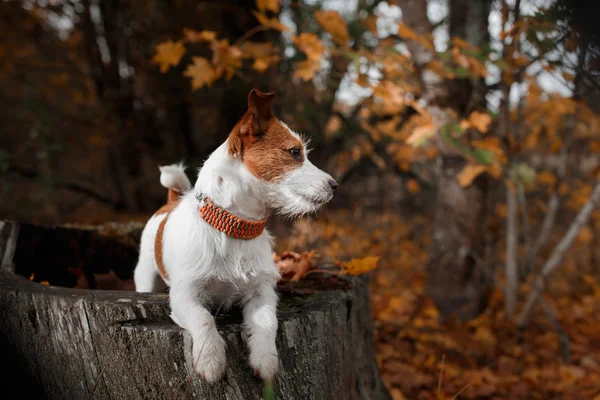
x=173 y=177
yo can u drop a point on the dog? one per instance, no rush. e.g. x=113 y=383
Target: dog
x=209 y=244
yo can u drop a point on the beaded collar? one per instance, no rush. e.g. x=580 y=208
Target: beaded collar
x=231 y=225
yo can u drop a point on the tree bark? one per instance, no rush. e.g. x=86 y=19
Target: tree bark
x=456 y=282
x=62 y=343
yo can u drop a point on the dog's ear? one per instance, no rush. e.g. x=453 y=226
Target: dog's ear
x=254 y=123
x=259 y=106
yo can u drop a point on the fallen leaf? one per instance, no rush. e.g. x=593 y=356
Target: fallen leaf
x=293 y=266
x=359 y=266
x=168 y=54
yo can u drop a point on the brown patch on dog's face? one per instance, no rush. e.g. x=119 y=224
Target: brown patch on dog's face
x=265 y=145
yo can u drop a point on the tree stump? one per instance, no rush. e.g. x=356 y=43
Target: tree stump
x=64 y=343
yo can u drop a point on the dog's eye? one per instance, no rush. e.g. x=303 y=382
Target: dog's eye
x=296 y=153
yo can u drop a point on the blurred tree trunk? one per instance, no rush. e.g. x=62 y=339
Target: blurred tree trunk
x=456 y=280
x=156 y=115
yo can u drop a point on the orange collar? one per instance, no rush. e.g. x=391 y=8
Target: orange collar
x=231 y=225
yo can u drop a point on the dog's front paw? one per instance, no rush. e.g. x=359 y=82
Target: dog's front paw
x=265 y=362
x=209 y=358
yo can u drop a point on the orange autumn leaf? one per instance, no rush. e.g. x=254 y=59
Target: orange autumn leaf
x=371 y=24
x=201 y=72
x=358 y=266
x=306 y=70
x=268 y=5
x=334 y=24
x=168 y=54
x=478 y=120
x=293 y=266
x=271 y=23
x=421 y=134
x=193 y=36
x=492 y=144
x=413 y=186
x=407 y=33
x=264 y=54
x=468 y=174
x=546 y=178
x=310 y=44
x=227 y=59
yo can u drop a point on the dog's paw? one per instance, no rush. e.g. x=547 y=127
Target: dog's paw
x=265 y=363
x=209 y=358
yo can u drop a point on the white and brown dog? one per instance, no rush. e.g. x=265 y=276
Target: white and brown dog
x=209 y=243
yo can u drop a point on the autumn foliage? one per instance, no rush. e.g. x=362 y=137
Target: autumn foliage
x=465 y=138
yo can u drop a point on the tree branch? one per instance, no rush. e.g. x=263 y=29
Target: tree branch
x=512 y=267
x=557 y=256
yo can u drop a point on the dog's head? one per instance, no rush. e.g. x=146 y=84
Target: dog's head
x=278 y=157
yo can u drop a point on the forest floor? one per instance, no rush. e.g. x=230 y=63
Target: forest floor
x=486 y=358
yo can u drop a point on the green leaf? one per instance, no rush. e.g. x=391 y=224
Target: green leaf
x=483 y=156
x=523 y=174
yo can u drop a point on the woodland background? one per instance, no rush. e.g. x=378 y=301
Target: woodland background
x=464 y=136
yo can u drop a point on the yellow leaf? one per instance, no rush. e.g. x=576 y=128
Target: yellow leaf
x=272 y=23
x=333 y=23
x=492 y=144
x=201 y=72
x=226 y=59
x=310 y=44
x=168 y=54
x=420 y=134
x=390 y=94
x=358 y=266
x=546 y=178
x=264 y=54
x=262 y=64
x=307 y=69
x=469 y=173
x=202 y=36
x=271 y=5
x=371 y=24
x=407 y=33
x=257 y=49
x=413 y=186
x=480 y=121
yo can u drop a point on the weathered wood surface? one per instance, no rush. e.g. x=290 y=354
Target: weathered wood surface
x=61 y=343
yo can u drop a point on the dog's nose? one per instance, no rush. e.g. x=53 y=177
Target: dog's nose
x=333 y=184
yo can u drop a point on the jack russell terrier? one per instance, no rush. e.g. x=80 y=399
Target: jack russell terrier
x=209 y=244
